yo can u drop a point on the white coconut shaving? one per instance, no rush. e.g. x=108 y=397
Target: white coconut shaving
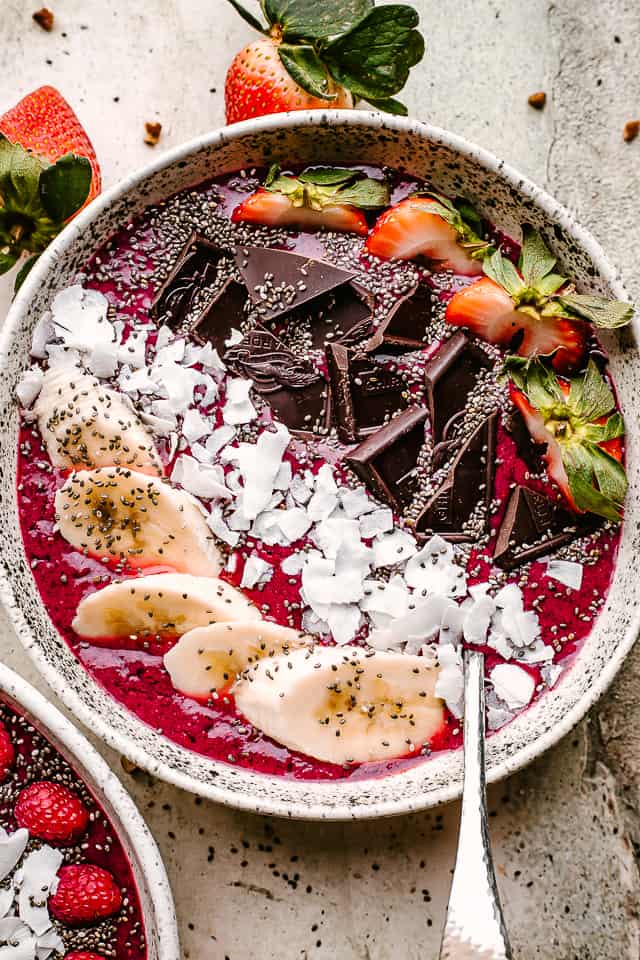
x=29 y=387
x=513 y=685
x=12 y=846
x=432 y=570
x=238 y=407
x=195 y=426
x=259 y=464
x=377 y=522
x=566 y=572
x=325 y=497
x=79 y=319
x=450 y=681
x=356 y=502
x=390 y=549
x=200 y=479
x=256 y=571
x=219 y=527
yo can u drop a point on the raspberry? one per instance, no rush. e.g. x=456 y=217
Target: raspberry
x=85 y=893
x=51 y=812
x=7 y=753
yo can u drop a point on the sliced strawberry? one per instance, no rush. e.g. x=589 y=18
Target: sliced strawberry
x=485 y=308
x=276 y=210
x=7 y=753
x=412 y=229
x=552 y=455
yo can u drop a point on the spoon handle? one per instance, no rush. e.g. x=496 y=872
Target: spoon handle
x=475 y=928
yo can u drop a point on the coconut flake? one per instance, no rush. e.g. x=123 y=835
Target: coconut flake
x=259 y=464
x=38 y=879
x=293 y=522
x=432 y=570
x=566 y=572
x=331 y=534
x=322 y=587
x=550 y=674
x=43 y=334
x=293 y=564
x=238 y=407
x=29 y=387
x=325 y=497
x=256 y=571
x=219 y=528
x=300 y=489
x=170 y=352
x=200 y=479
x=235 y=337
x=80 y=318
x=385 y=602
x=478 y=613
x=219 y=438
x=356 y=502
x=12 y=846
x=283 y=477
x=513 y=685
x=103 y=361
x=376 y=523
x=177 y=382
x=194 y=426
x=392 y=548
x=450 y=682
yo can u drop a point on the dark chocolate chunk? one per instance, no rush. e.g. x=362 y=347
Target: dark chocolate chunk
x=292 y=278
x=226 y=312
x=469 y=482
x=533 y=525
x=194 y=268
x=364 y=393
x=342 y=316
x=297 y=394
x=405 y=326
x=387 y=461
x=450 y=376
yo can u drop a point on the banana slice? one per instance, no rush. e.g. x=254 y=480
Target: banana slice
x=341 y=705
x=163 y=603
x=84 y=424
x=124 y=515
x=211 y=658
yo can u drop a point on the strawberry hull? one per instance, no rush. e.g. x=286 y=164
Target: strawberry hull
x=129 y=271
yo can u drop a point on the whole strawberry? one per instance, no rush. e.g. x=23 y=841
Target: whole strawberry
x=51 y=812
x=323 y=54
x=85 y=894
x=7 y=753
x=48 y=172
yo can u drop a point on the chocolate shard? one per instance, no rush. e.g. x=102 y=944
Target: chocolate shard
x=364 y=394
x=450 y=376
x=533 y=525
x=469 y=483
x=343 y=316
x=387 y=461
x=405 y=326
x=225 y=312
x=297 y=394
x=195 y=267
x=293 y=279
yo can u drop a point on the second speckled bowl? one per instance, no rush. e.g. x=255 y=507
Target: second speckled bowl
x=505 y=197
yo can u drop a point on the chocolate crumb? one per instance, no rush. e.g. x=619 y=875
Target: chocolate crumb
x=44 y=19
x=153 y=131
x=537 y=100
x=631 y=130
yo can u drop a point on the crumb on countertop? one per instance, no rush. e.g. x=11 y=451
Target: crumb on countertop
x=44 y=19
x=631 y=130
x=152 y=135
x=537 y=100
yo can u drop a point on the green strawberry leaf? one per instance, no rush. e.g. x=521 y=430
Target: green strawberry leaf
x=389 y=105
x=590 y=396
x=591 y=500
x=8 y=259
x=315 y=19
x=548 y=285
x=24 y=271
x=329 y=176
x=366 y=194
x=469 y=215
x=303 y=65
x=609 y=473
x=374 y=58
x=20 y=173
x=536 y=260
x=248 y=17
x=65 y=185
x=608 y=314
x=503 y=272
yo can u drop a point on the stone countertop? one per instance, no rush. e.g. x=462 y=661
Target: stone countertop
x=566 y=831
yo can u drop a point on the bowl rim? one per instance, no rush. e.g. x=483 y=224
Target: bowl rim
x=131 y=823
x=93 y=719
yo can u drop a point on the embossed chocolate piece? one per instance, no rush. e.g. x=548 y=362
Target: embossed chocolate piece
x=195 y=267
x=297 y=394
x=226 y=312
x=342 y=316
x=450 y=376
x=533 y=525
x=469 y=483
x=405 y=326
x=387 y=461
x=364 y=394
x=290 y=279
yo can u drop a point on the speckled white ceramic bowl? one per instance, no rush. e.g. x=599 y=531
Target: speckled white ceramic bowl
x=151 y=880
x=455 y=167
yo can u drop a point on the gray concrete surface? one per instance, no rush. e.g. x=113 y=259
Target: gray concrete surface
x=567 y=830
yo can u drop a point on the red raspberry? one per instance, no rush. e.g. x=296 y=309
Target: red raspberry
x=51 y=812
x=83 y=955
x=7 y=753
x=85 y=893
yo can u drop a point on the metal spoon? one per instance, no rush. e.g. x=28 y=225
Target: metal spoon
x=475 y=928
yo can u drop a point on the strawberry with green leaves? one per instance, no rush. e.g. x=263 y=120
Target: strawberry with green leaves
x=323 y=53
x=532 y=309
x=431 y=226
x=582 y=431
x=330 y=197
x=48 y=172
